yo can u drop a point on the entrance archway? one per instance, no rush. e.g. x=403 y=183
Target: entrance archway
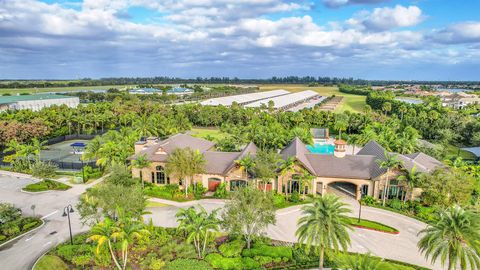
x=213 y=183
x=343 y=188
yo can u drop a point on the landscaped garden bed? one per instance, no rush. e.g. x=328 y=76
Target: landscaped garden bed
x=168 y=249
x=13 y=224
x=45 y=185
x=372 y=225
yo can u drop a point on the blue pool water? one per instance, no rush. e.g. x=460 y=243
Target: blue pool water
x=322 y=149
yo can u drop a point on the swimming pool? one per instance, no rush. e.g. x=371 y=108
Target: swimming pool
x=321 y=149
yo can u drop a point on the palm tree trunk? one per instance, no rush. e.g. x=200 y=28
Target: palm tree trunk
x=113 y=256
x=125 y=259
x=204 y=243
x=320 y=259
x=385 y=189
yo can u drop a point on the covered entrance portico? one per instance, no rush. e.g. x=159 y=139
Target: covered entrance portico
x=356 y=188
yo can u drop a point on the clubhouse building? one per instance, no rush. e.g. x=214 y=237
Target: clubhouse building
x=357 y=175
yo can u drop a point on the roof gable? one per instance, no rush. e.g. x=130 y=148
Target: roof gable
x=297 y=149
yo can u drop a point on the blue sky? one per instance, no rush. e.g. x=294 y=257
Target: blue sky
x=370 y=39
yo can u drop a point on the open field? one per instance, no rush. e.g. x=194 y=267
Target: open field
x=350 y=102
x=59 y=89
x=206 y=132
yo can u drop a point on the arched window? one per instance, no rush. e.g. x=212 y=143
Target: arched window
x=160 y=175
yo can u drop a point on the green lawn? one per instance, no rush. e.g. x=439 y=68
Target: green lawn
x=60 y=89
x=350 y=102
x=369 y=224
x=452 y=152
x=49 y=262
x=205 y=132
x=46 y=185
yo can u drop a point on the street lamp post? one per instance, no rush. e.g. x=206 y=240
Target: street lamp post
x=66 y=213
x=359 y=211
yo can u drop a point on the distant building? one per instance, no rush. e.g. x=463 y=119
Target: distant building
x=180 y=91
x=36 y=102
x=460 y=100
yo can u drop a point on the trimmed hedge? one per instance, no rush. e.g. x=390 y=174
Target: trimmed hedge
x=218 y=261
x=17 y=227
x=268 y=251
x=46 y=185
x=232 y=249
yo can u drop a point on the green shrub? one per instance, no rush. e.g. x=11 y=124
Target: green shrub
x=43 y=169
x=368 y=200
x=29 y=225
x=91 y=173
x=82 y=260
x=249 y=263
x=10 y=229
x=197 y=190
x=221 y=191
x=156 y=264
x=395 y=204
x=278 y=200
x=8 y=213
x=2 y=237
x=262 y=260
x=268 y=251
x=68 y=252
x=218 y=261
x=46 y=185
x=427 y=213
x=233 y=248
x=187 y=264
x=295 y=197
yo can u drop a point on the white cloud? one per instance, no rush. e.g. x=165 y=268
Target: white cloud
x=339 y=3
x=466 y=32
x=387 y=18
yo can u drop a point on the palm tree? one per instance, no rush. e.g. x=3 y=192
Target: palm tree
x=141 y=162
x=324 y=225
x=454 y=239
x=103 y=233
x=198 y=226
x=129 y=231
x=184 y=163
x=341 y=124
x=411 y=178
x=354 y=140
x=287 y=166
x=246 y=163
x=305 y=180
x=358 y=262
x=391 y=162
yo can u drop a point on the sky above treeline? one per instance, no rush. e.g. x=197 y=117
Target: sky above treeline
x=368 y=39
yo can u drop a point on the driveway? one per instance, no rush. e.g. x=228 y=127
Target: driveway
x=401 y=247
x=22 y=253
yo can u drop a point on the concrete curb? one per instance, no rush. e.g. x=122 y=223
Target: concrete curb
x=38 y=192
x=23 y=234
x=18 y=175
x=38 y=259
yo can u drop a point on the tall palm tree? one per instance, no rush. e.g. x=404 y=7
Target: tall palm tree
x=141 y=162
x=411 y=178
x=324 y=225
x=341 y=124
x=287 y=166
x=103 y=233
x=184 y=163
x=246 y=164
x=454 y=239
x=354 y=140
x=391 y=162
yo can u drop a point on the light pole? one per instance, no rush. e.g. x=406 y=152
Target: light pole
x=359 y=211
x=66 y=213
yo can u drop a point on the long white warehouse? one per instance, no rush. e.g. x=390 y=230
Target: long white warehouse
x=244 y=98
x=286 y=101
x=36 y=102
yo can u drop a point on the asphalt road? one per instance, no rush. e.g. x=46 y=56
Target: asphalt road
x=401 y=247
x=22 y=253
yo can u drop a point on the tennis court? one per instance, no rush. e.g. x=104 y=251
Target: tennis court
x=66 y=151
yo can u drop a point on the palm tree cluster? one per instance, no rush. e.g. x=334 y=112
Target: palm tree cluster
x=198 y=226
x=122 y=233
